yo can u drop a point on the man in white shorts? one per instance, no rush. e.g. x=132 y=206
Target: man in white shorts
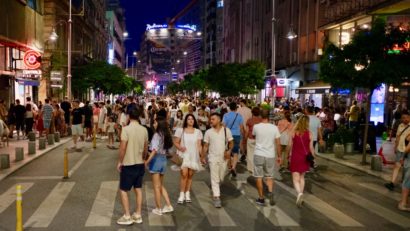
x=101 y=119
x=77 y=121
x=219 y=141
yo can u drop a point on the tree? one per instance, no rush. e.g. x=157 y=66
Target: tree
x=366 y=62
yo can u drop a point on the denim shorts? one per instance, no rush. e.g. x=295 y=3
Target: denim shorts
x=131 y=176
x=158 y=164
x=236 y=144
x=406 y=169
x=399 y=156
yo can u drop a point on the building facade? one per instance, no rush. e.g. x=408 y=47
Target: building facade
x=21 y=31
x=116 y=28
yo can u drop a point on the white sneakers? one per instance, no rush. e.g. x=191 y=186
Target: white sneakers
x=299 y=200
x=184 y=197
x=166 y=209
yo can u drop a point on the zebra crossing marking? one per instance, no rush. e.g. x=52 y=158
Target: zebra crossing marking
x=324 y=208
x=216 y=217
x=8 y=197
x=274 y=214
x=381 y=190
x=49 y=208
x=153 y=219
x=103 y=208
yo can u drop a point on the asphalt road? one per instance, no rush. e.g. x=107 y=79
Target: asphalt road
x=337 y=198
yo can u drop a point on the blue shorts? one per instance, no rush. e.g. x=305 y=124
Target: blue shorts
x=131 y=176
x=46 y=124
x=158 y=164
x=399 y=156
x=406 y=169
x=236 y=144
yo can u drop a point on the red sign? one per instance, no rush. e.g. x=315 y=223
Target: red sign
x=32 y=59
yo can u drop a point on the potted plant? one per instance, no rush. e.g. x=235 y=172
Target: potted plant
x=338 y=147
x=348 y=140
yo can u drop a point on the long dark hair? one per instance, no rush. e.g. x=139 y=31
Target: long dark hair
x=163 y=130
x=186 y=121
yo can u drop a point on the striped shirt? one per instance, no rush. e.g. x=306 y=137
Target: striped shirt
x=47 y=112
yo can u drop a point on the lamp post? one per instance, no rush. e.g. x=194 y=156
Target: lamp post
x=69 y=52
x=185 y=55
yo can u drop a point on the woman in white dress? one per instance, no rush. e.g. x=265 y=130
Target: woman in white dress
x=187 y=141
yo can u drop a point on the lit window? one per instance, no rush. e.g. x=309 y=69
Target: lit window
x=220 y=4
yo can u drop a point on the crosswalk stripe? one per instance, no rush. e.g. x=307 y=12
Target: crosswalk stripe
x=381 y=190
x=324 y=208
x=372 y=206
x=103 y=207
x=8 y=197
x=153 y=219
x=216 y=217
x=49 y=208
x=274 y=214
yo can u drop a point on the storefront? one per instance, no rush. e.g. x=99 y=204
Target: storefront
x=315 y=92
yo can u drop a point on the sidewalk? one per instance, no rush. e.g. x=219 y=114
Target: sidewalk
x=13 y=143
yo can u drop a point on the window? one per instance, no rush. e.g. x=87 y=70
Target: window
x=220 y=4
x=32 y=4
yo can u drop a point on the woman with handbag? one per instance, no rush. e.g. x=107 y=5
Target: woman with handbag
x=301 y=152
x=188 y=142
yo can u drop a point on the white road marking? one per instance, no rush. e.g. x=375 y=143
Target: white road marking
x=381 y=190
x=274 y=214
x=394 y=217
x=78 y=164
x=103 y=207
x=49 y=208
x=216 y=217
x=324 y=208
x=36 y=177
x=153 y=219
x=9 y=197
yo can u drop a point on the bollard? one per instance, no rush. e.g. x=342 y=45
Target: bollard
x=19 y=209
x=69 y=131
x=94 y=140
x=376 y=163
x=42 y=143
x=65 y=163
x=32 y=147
x=31 y=136
x=19 y=153
x=4 y=161
x=50 y=139
x=57 y=137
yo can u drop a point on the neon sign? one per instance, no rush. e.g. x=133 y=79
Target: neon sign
x=156 y=26
x=398 y=49
x=187 y=26
x=32 y=59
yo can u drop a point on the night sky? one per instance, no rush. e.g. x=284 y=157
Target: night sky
x=138 y=13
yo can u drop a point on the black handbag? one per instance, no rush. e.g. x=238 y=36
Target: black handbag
x=309 y=156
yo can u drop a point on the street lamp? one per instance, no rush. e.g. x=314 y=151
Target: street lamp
x=291 y=35
x=185 y=53
x=53 y=36
x=69 y=51
x=125 y=34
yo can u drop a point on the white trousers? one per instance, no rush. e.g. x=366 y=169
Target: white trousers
x=250 y=145
x=218 y=172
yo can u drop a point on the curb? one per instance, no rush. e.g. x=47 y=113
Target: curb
x=381 y=175
x=6 y=172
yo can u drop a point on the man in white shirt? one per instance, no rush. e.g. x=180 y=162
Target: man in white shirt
x=246 y=114
x=314 y=125
x=267 y=145
x=219 y=142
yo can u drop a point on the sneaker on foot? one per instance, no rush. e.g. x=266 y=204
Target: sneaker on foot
x=403 y=207
x=188 y=197
x=137 y=219
x=389 y=186
x=271 y=199
x=260 y=201
x=157 y=211
x=167 y=209
x=233 y=172
x=124 y=220
x=299 y=199
x=217 y=203
x=181 y=198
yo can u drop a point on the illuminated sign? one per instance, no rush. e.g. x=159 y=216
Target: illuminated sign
x=398 y=49
x=187 y=26
x=281 y=82
x=28 y=74
x=156 y=26
x=32 y=59
x=220 y=4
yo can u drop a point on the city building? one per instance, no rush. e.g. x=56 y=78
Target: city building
x=116 y=28
x=88 y=19
x=21 y=41
x=213 y=33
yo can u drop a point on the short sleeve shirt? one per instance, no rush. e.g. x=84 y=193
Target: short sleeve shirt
x=217 y=143
x=314 y=125
x=47 y=112
x=233 y=124
x=265 y=136
x=77 y=115
x=403 y=134
x=157 y=144
x=136 y=136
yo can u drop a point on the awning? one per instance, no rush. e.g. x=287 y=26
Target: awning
x=317 y=87
x=29 y=82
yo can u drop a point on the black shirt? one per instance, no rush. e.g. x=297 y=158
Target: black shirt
x=19 y=111
x=65 y=106
x=77 y=114
x=88 y=112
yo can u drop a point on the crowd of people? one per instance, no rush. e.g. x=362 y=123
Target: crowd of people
x=214 y=133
